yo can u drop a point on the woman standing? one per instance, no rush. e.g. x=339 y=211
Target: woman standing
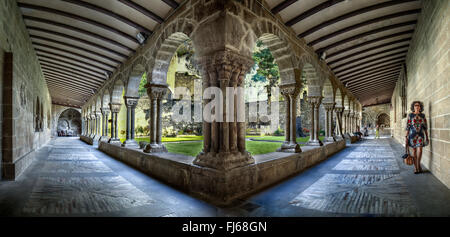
x=416 y=130
x=377 y=132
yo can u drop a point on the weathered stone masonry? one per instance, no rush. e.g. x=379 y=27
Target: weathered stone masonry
x=27 y=85
x=426 y=79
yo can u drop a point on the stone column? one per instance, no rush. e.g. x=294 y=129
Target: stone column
x=314 y=101
x=290 y=94
x=156 y=93
x=225 y=140
x=98 y=116
x=131 y=103
x=115 y=108
x=94 y=124
x=329 y=122
x=346 y=120
x=352 y=123
x=105 y=115
x=339 y=130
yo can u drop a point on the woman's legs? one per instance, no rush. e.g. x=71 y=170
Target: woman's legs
x=419 y=157
x=416 y=168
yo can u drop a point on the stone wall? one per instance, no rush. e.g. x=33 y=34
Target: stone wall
x=427 y=75
x=1 y=107
x=27 y=87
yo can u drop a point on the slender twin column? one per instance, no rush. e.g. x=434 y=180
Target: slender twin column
x=352 y=122
x=290 y=94
x=346 y=121
x=329 y=122
x=339 y=110
x=93 y=125
x=131 y=103
x=156 y=93
x=98 y=115
x=314 y=101
x=224 y=139
x=115 y=108
x=105 y=115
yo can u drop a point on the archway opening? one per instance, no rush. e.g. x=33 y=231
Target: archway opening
x=69 y=123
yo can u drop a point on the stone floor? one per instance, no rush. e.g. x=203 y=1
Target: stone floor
x=70 y=178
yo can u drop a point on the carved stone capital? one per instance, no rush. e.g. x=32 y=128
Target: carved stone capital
x=289 y=90
x=156 y=91
x=346 y=112
x=115 y=108
x=131 y=102
x=338 y=109
x=315 y=100
x=105 y=111
x=329 y=106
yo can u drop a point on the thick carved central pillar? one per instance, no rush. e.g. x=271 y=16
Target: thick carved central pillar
x=329 y=122
x=131 y=103
x=115 y=108
x=156 y=93
x=224 y=138
x=290 y=93
x=339 y=111
x=93 y=125
x=314 y=101
x=98 y=116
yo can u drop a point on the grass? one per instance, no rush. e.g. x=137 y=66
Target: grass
x=173 y=139
x=193 y=148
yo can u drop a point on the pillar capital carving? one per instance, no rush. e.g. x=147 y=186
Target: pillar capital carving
x=115 y=108
x=315 y=100
x=338 y=109
x=346 y=112
x=131 y=101
x=329 y=106
x=92 y=116
x=105 y=111
x=156 y=91
x=289 y=90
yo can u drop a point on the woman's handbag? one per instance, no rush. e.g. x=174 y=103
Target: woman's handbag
x=407 y=158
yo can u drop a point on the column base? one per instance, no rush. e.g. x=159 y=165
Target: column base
x=103 y=139
x=290 y=147
x=130 y=144
x=339 y=138
x=155 y=148
x=114 y=141
x=314 y=143
x=224 y=160
x=329 y=139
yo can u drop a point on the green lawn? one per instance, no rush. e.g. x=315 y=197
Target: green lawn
x=193 y=148
x=281 y=138
x=173 y=139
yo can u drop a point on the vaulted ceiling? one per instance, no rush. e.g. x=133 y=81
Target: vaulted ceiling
x=80 y=43
x=365 y=41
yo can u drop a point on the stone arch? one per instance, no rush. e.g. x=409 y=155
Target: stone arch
x=172 y=36
x=346 y=102
x=134 y=76
x=117 y=91
x=69 y=122
x=383 y=119
x=328 y=92
x=106 y=96
x=339 y=98
x=98 y=103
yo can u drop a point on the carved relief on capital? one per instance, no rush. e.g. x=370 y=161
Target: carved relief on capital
x=289 y=90
x=131 y=101
x=105 y=111
x=328 y=106
x=315 y=100
x=156 y=91
x=115 y=108
x=338 y=109
x=346 y=112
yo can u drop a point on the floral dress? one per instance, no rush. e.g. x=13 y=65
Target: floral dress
x=416 y=125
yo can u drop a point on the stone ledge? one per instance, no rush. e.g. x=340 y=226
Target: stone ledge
x=218 y=187
x=86 y=139
x=11 y=171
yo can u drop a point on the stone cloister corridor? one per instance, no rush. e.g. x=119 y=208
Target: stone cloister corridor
x=224 y=108
x=70 y=178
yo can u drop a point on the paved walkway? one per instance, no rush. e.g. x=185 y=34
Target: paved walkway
x=70 y=178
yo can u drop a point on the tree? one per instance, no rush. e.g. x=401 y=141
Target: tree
x=267 y=70
x=140 y=130
x=142 y=90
